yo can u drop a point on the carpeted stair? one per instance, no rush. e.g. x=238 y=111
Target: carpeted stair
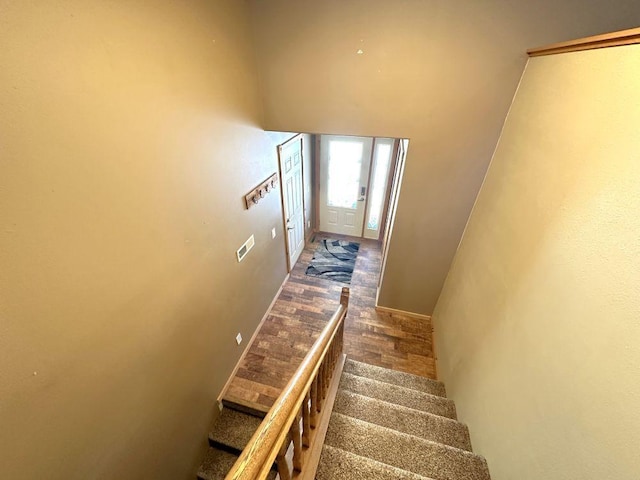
x=391 y=425
x=385 y=425
x=229 y=436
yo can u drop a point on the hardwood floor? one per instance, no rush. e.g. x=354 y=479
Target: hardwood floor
x=302 y=309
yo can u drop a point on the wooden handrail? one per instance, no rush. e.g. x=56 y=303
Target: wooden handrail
x=258 y=457
x=614 y=39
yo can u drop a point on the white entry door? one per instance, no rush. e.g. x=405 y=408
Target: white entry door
x=290 y=156
x=344 y=179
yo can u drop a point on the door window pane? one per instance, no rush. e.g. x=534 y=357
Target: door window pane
x=345 y=161
x=382 y=158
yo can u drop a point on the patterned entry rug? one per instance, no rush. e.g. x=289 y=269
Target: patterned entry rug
x=334 y=260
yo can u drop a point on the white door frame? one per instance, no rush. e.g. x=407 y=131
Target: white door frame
x=400 y=154
x=291 y=257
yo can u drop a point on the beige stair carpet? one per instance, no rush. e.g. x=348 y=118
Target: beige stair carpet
x=348 y=466
x=387 y=425
x=229 y=436
x=399 y=395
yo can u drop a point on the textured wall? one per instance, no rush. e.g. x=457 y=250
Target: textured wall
x=538 y=324
x=129 y=135
x=441 y=73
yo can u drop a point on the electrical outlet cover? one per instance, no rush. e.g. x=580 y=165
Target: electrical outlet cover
x=239 y=339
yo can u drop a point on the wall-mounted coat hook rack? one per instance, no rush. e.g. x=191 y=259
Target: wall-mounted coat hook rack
x=253 y=197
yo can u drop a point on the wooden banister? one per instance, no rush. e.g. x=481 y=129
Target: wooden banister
x=272 y=438
x=614 y=39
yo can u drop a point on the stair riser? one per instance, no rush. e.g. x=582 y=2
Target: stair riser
x=413 y=422
x=398 y=395
x=337 y=464
x=256 y=411
x=401 y=379
x=403 y=451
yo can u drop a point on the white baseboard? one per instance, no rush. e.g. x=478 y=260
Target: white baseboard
x=250 y=342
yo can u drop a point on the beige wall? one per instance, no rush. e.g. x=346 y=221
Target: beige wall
x=440 y=73
x=538 y=324
x=129 y=133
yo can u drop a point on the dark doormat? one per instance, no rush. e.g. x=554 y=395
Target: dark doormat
x=334 y=260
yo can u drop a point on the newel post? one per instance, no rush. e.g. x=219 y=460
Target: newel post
x=344 y=301
x=344 y=297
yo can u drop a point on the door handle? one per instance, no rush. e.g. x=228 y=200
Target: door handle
x=361 y=199
x=290 y=228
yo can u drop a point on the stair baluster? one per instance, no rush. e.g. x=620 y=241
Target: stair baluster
x=314 y=403
x=298 y=404
x=306 y=421
x=296 y=435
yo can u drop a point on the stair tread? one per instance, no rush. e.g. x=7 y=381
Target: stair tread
x=217 y=464
x=403 y=419
x=234 y=429
x=404 y=451
x=399 y=395
x=336 y=463
x=402 y=379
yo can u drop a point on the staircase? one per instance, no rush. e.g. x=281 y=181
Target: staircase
x=231 y=433
x=389 y=425
x=385 y=425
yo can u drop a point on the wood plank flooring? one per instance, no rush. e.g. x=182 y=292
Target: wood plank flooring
x=302 y=309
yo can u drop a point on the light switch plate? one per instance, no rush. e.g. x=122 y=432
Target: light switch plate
x=239 y=338
x=273 y=232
